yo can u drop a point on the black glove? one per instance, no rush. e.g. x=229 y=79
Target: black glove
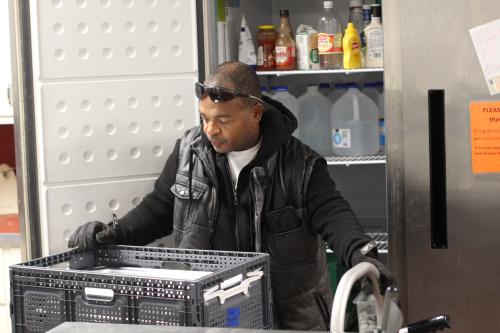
x=86 y=236
x=386 y=276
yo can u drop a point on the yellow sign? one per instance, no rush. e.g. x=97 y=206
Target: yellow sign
x=485 y=136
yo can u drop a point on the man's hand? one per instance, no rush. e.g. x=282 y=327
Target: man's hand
x=368 y=254
x=89 y=234
x=386 y=276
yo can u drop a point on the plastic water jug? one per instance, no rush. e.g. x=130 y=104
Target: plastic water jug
x=324 y=88
x=265 y=91
x=339 y=90
x=354 y=124
x=375 y=90
x=314 y=120
x=281 y=94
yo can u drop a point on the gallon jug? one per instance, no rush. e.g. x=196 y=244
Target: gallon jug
x=281 y=94
x=375 y=90
x=354 y=124
x=314 y=120
x=324 y=88
x=265 y=91
x=339 y=90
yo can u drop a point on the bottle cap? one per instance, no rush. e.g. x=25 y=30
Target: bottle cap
x=265 y=27
x=376 y=10
x=279 y=88
x=327 y=4
x=350 y=26
x=284 y=12
x=367 y=7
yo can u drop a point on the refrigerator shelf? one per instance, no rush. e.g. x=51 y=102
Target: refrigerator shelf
x=321 y=71
x=379 y=235
x=349 y=160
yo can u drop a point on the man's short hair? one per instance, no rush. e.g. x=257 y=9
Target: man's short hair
x=237 y=76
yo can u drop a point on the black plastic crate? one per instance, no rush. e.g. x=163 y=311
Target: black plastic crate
x=108 y=287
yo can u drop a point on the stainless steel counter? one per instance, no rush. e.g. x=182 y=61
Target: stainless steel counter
x=73 y=327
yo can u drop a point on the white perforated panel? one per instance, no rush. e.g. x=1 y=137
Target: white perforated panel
x=74 y=205
x=114 y=88
x=85 y=38
x=113 y=128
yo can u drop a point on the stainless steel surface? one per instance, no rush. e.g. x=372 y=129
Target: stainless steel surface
x=437 y=53
x=22 y=101
x=209 y=35
x=394 y=129
x=69 y=327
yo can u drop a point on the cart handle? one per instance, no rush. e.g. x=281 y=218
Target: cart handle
x=227 y=293
x=337 y=322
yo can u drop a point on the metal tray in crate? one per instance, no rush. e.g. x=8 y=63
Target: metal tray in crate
x=92 y=286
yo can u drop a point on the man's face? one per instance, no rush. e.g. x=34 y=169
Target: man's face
x=232 y=125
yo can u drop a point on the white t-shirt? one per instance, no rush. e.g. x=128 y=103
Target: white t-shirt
x=238 y=159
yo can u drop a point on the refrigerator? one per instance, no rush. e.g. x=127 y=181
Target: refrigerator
x=441 y=218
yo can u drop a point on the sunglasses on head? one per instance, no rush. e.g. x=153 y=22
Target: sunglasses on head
x=219 y=94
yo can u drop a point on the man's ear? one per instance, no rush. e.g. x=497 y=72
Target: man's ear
x=257 y=111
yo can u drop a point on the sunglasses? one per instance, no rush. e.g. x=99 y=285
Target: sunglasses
x=220 y=94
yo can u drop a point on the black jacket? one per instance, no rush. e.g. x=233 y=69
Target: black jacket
x=286 y=205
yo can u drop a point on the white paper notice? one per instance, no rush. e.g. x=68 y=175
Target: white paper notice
x=486 y=40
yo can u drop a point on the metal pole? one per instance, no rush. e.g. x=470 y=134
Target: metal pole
x=24 y=127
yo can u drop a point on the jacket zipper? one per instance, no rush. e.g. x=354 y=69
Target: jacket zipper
x=235 y=204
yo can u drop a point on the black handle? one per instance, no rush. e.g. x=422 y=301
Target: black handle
x=430 y=325
x=437 y=164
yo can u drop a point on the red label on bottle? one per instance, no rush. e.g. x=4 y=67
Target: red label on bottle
x=285 y=56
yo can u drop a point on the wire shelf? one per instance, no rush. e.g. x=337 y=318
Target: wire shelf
x=380 y=236
x=350 y=160
x=321 y=71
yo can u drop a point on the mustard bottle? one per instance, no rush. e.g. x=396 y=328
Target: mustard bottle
x=352 y=47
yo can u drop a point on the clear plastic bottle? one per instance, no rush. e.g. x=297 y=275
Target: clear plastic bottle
x=354 y=124
x=281 y=94
x=285 y=45
x=314 y=120
x=366 y=309
x=330 y=38
x=356 y=13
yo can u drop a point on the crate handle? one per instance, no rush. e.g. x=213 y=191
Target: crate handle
x=241 y=288
x=99 y=294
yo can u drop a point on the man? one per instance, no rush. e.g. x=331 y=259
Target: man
x=242 y=182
